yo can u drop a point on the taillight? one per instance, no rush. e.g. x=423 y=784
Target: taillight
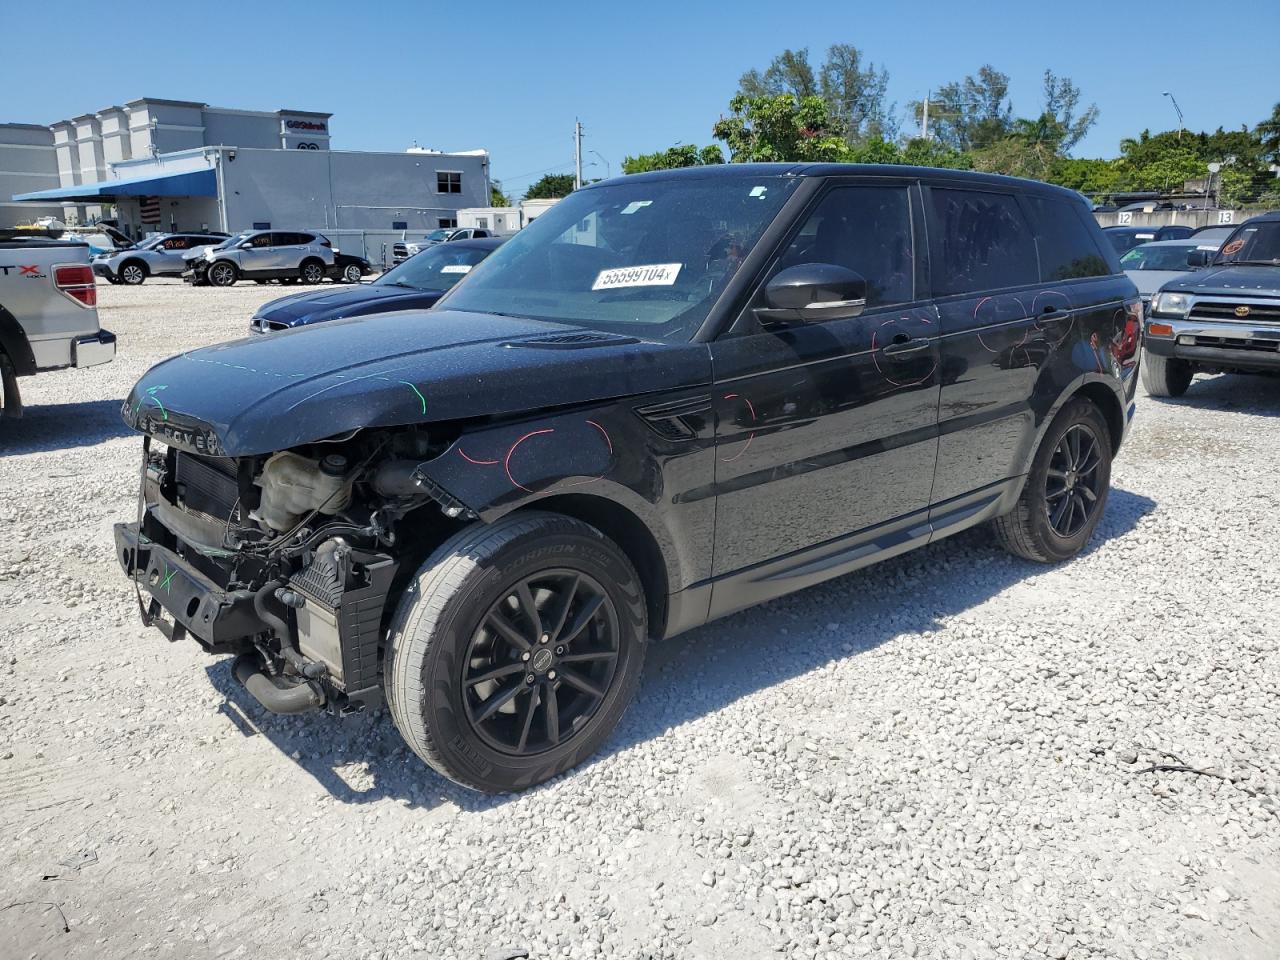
x=1131 y=336
x=77 y=282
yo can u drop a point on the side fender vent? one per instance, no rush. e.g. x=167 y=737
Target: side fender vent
x=677 y=419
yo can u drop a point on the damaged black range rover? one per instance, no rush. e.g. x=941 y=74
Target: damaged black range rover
x=672 y=397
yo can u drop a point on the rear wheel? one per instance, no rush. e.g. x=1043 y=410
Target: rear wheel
x=311 y=271
x=1066 y=490
x=1165 y=376
x=223 y=274
x=516 y=650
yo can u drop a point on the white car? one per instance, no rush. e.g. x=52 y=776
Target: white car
x=1151 y=265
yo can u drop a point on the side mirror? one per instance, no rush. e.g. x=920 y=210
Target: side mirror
x=1199 y=258
x=812 y=293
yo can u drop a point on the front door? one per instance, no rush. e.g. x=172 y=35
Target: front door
x=827 y=431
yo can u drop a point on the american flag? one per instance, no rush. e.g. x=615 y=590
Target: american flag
x=150 y=209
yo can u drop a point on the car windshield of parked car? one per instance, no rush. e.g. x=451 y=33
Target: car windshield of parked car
x=1150 y=256
x=1255 y=243
x=151 y=242
x=1123 y=240
x=436 y=236
x=437 y=268
x=230 y=242
x=641 y=257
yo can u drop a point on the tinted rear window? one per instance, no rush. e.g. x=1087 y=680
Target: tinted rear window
x=983 y=242
x=1066 y=245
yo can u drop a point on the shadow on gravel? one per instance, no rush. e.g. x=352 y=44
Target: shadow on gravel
x=694 y=674
x=60 y=426
x=1257 y=396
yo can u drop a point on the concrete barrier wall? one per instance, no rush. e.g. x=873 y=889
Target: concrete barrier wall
x=1163 y=218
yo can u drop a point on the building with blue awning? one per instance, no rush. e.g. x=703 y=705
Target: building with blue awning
x=169 y=165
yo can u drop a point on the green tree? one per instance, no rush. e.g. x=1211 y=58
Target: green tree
x=682 y=155
x=854 y=89
x=788 y=72
x=1061 y=100
x=971 y=112
x=773 y=128
x=552 y=186
x=1268 y=133
x=497 y=198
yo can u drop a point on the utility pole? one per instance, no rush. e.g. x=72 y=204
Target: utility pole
x=924 y=118
x=577 y=155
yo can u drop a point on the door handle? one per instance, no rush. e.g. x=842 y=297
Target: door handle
x=1052 y=315
x=905 y=348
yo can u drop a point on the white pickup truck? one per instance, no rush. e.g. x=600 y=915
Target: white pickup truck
x=48 y=312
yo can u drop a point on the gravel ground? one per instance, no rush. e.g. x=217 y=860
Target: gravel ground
x=947 y=755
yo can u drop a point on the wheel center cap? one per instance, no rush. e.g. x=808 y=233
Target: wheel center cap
x=1071 y=479
x=541 y=660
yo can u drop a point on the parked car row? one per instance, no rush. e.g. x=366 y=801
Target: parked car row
x=262 y=255
x=402 y=250
x=220 y=260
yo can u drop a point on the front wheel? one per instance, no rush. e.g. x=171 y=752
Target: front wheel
x=133 y=273
x=1066 y=490
x=223 y=274
x=516 y=650
x=312 y=271
x=1165 y=376
x=352 y=273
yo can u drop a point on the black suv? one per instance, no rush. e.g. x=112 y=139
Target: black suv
x=675 y=395
x=1222 y=320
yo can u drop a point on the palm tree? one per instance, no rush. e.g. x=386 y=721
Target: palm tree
x=1269 y=133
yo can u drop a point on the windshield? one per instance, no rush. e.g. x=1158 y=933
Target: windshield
x=1123 y=240
x=151 y=242
x=646 y=257
x=1253 y=243
x=436 y=236
x=1151 y=256
x=231 y=241
x=437 y=268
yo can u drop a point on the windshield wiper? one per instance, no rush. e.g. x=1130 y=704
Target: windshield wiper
x=1251 y=263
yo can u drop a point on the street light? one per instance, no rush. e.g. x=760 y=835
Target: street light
x=1174 y=101
x=607 y=169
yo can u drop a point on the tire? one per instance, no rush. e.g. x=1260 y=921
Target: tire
x=1165 y=376
x=311 y=271
x=352 y=273
x=441 y=639
x=222 y=274
x=1035 y=529
x=133 y=273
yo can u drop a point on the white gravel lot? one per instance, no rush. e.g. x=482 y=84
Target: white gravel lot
x=947 y=755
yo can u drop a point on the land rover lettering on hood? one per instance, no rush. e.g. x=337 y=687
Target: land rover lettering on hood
x=671 y=397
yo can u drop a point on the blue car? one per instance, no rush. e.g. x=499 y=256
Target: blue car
x=414 y=285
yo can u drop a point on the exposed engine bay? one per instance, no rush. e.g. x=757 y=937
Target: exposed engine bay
x=285 y=559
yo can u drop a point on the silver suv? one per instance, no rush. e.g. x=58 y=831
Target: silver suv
x=261 y=255
x=159 y=256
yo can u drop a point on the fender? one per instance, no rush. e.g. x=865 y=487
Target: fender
x=606 y=453
x=14 y=342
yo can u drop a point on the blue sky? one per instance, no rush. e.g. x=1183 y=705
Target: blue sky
x=511 y=77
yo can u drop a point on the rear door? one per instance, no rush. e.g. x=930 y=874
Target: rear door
x=828 y=429
x=986 y=282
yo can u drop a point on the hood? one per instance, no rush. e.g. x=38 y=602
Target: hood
x=264 y=394
x=334 y=303
x=1229 y=281
x=1149 y=281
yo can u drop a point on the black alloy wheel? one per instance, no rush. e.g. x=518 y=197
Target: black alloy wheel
x=1071 y=484
x=541 y=662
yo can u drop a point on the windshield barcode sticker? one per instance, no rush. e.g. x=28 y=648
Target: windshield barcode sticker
x=645 y=275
